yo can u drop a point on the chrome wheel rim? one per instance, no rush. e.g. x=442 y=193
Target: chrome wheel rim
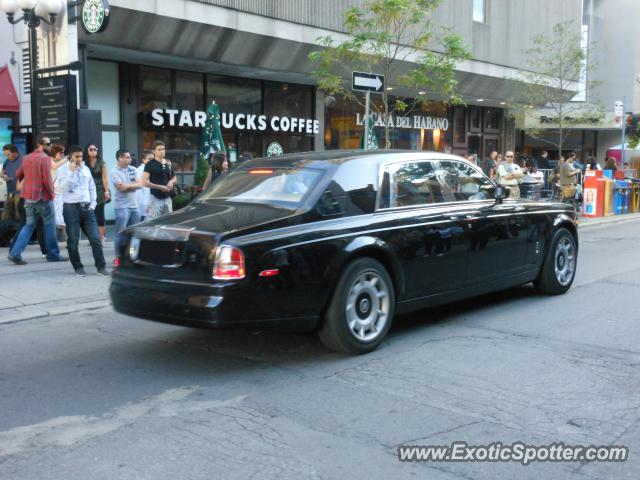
x=565 y=261
x=367 y=308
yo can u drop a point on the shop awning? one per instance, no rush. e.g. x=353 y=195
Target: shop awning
x=8 y=98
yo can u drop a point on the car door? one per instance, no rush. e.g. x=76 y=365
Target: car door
x=427 y=235
x=497 y=233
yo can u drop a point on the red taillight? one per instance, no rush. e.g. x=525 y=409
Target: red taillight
x=229 y=263
x=261 y=171
x=116 y=262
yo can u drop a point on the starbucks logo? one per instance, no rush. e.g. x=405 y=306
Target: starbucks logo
x=95 y=14
x=274 y=149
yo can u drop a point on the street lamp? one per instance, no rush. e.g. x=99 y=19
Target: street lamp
x=33 y=12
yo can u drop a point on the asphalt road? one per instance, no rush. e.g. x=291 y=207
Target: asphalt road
x=97 y=395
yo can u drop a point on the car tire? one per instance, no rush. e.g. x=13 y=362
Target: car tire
x=559 y=267
x=361 y=309
x=8 y=229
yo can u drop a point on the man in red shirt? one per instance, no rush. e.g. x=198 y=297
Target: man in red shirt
x=37 y=192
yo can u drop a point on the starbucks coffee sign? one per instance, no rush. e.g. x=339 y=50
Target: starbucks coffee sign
x=161 y=117
x=95 y=16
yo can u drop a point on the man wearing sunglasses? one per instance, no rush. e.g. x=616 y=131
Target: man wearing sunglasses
x=509 y=175
x=37 y=192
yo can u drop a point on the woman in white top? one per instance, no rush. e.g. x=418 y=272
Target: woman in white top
x=58 y=159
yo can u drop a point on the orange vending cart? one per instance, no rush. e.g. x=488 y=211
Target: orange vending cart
x=593 y=193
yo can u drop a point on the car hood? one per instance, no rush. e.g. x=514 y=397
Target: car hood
x=226 y=218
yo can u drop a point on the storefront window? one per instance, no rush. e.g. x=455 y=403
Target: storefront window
x=475 y=119
x=189 y=91
x=426 y=126
x=459 y=127
x=235 y=95
x=492 y=117
x=254 y=114
x=155 y=88
x=182 y=147
x=287 y=100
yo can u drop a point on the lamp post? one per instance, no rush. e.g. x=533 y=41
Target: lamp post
x=33 y=13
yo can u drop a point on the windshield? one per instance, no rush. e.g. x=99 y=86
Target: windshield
x=286 y=187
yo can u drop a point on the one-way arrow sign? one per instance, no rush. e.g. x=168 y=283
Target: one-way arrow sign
x=371 y=82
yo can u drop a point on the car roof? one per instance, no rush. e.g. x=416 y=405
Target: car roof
x=333 y=157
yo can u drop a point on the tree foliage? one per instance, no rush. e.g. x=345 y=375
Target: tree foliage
x=556 y=63
x=383 y=36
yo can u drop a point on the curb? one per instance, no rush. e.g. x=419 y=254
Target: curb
x=607 y=221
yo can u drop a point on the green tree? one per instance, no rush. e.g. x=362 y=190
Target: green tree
x=556 y=63
x=394 y=38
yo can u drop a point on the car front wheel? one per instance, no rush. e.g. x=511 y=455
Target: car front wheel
x=361 y=309
x=559 y=267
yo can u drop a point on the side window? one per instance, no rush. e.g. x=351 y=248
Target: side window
x=462 y=182
x=413 y=183
x=357 y=182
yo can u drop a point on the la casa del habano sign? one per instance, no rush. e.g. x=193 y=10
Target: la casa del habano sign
x=196 y=119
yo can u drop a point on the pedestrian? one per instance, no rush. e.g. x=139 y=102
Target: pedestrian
x=79 y=199
x=160 y=179
x=38 y=193
x=543 y=161
x=568 y=173
x=8 y=174
x=531 y=171
x=127 y=182
x=142 y=194
x=578 y=164
x=219 y=166
x=592 y=164
x=98 y=168
x=489 y=165
x=611 y=164
x=59 y=159
x=509 y=174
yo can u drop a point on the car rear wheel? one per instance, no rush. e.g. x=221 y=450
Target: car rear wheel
x=361 y=309
x=559 y=267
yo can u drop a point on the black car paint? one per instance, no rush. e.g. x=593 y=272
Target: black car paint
x=434 y=253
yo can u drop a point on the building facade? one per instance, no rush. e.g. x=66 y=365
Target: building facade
x=158 y=63
x=614 y=64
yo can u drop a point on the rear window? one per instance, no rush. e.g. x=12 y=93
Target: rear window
x=287 y=187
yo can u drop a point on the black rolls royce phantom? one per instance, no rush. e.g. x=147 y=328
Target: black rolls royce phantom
x=340 y=242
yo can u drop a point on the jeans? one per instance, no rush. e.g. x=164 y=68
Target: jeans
x=125 y=217
x=77 y=217
x=45 y=211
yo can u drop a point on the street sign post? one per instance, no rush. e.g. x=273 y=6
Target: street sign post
x=367 y=82
x=618 y=109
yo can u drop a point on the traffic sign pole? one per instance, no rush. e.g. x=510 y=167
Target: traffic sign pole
x=623 y=124
x=366 y=120
x=367 y=82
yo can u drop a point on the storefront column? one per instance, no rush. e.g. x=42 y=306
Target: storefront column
x=319 y=115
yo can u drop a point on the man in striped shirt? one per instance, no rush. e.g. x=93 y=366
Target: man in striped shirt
x=37 y=192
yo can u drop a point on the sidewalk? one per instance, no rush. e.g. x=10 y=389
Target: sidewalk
x=40 y=288
x=587 y=222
